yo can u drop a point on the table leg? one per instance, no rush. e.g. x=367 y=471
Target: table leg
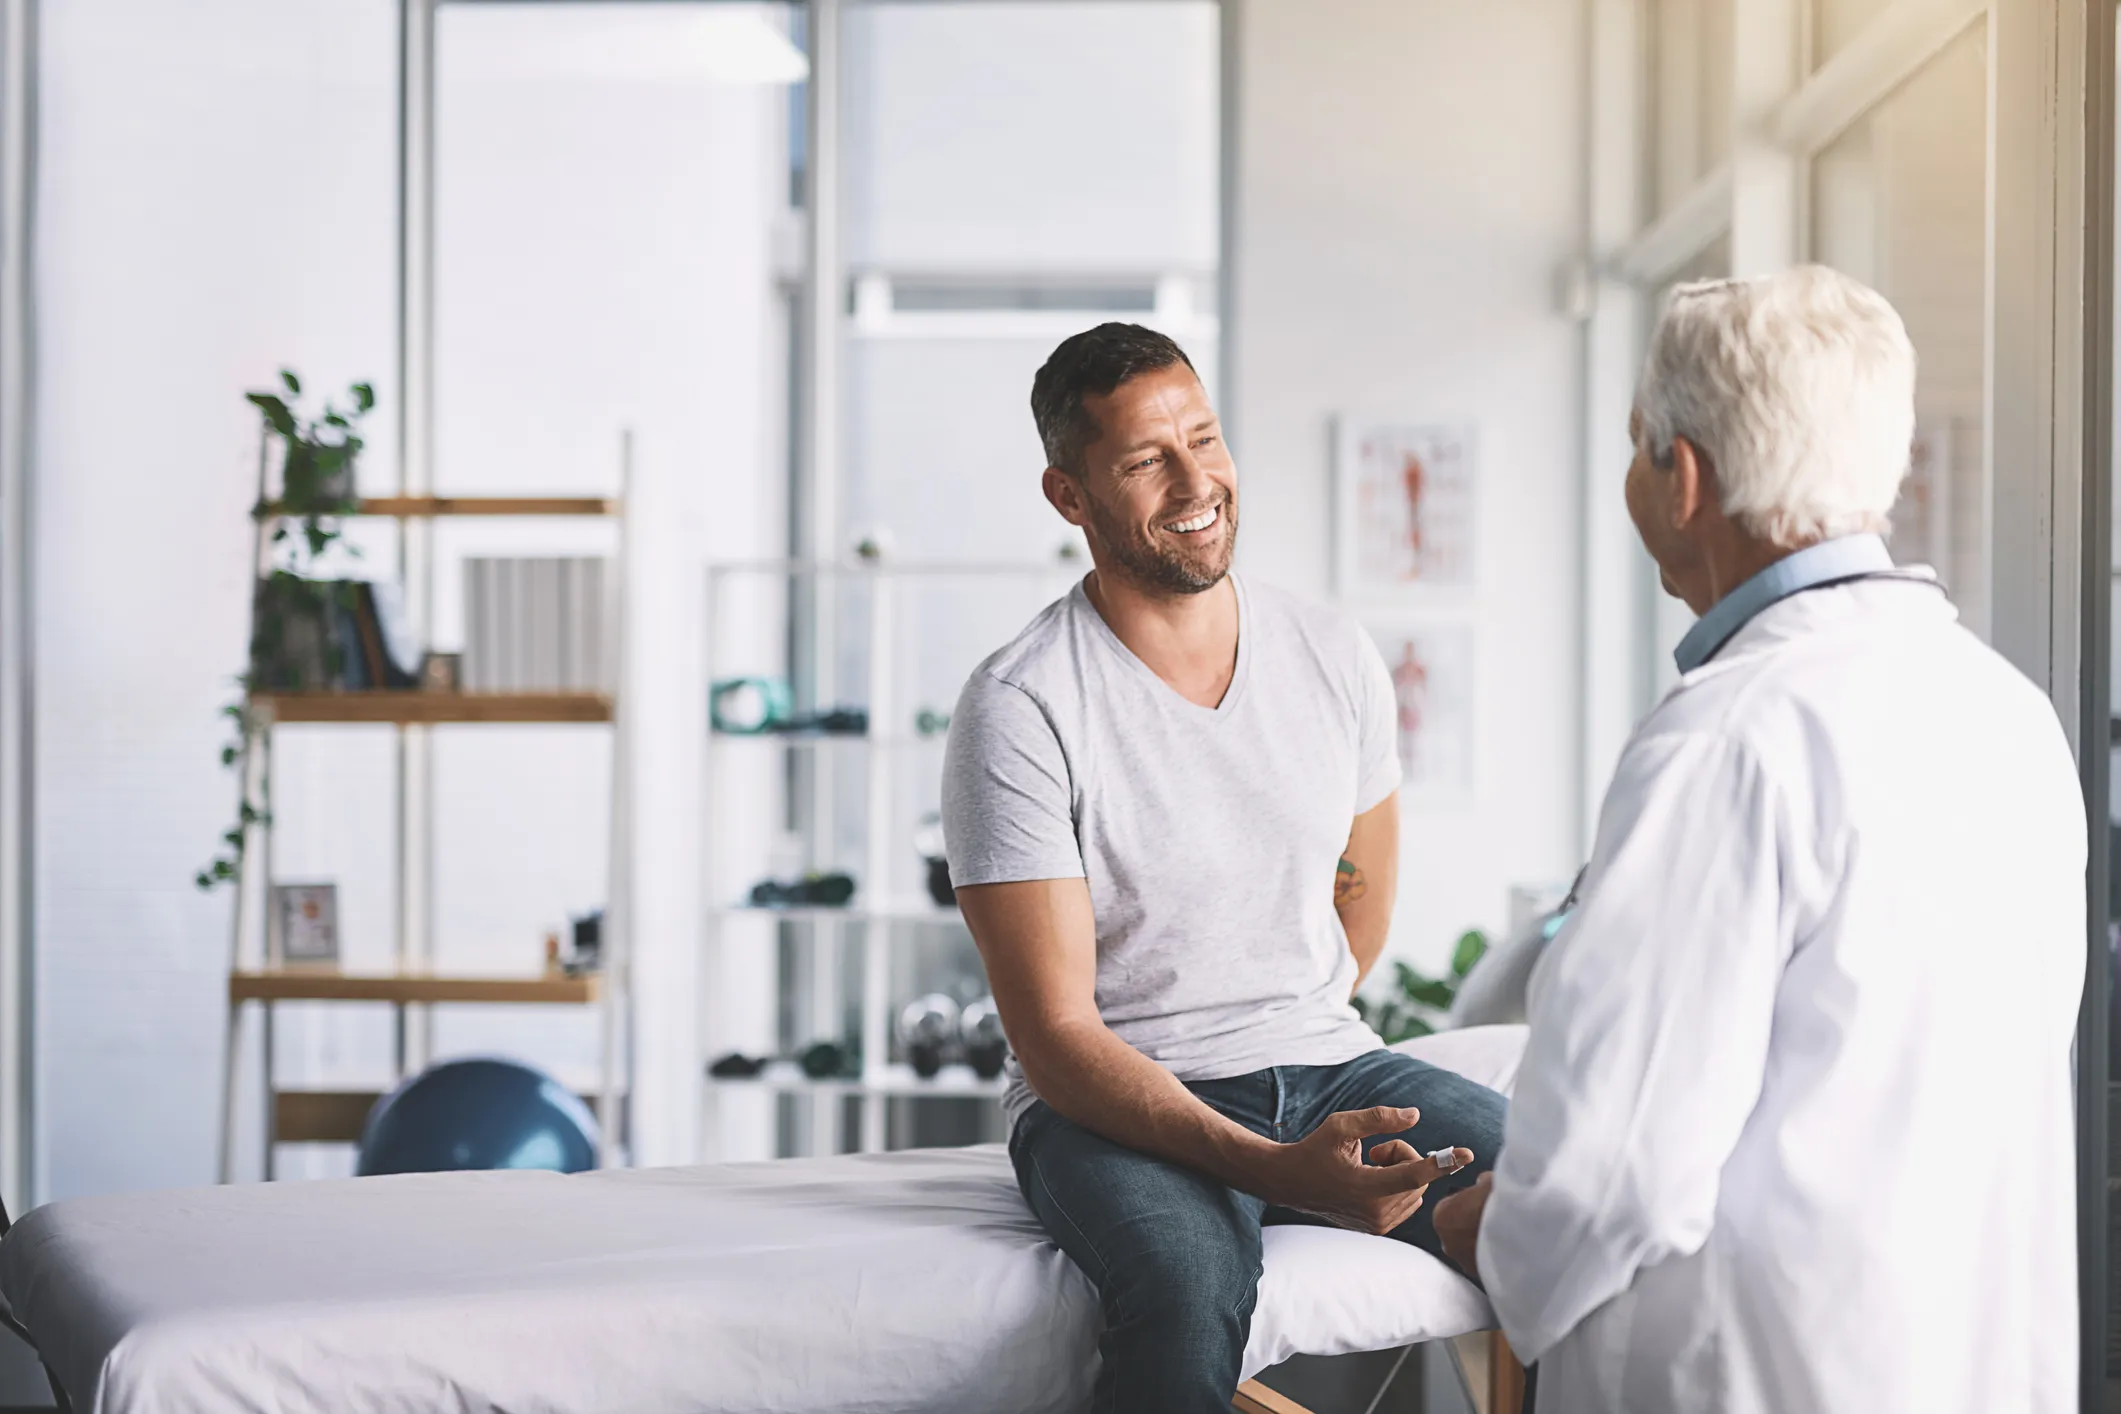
x=231 y=1066
x=1505 y=1376
x=268 y=1123
x=1255 y=1398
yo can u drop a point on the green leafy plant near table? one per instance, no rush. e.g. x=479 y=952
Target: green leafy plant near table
x=316 y=492
x=1418 y=1002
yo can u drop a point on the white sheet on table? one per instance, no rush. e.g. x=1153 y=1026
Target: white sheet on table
x=900 y=1282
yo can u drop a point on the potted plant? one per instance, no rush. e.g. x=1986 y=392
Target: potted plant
x=1420 y=1001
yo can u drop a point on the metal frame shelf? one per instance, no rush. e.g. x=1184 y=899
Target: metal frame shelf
x=951 y=1082
x=878 y=758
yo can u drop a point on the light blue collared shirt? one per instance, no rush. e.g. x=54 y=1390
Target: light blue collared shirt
x=1814 y=565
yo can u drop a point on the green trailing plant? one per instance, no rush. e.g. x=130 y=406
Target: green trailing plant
x=289 y=604
x=1418 y=1002
x=223 y=867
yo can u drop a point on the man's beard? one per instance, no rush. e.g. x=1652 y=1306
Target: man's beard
x=1157 y=567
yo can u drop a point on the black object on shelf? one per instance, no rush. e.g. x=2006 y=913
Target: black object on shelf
x=928 y=843
x=829 y=1060
x=939 y=887
x=587 y=939
x=837 y=721
x=986 y=1048
x=814 y=891
x=927 y=1028
x=737 y=1066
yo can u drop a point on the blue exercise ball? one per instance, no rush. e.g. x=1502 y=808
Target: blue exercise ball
x=478 y=1113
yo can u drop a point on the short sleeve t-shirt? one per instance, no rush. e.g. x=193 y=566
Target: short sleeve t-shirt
x=1208 y=836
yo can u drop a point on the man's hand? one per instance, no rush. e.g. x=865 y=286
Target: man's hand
x=1324 y=1172
x=1457 y=1220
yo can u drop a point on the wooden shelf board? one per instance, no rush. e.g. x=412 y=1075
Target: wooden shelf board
x=321 y=1116
x=417 y=708
x=306 y=984
x=421 y=507
x=333 y=1116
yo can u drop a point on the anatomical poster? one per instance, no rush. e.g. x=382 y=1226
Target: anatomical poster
x=1432 y=689
x=1404 y=507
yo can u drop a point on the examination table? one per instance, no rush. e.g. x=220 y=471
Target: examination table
x=876 y=1284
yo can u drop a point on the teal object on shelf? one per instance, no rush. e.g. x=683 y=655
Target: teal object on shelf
x=749 y=706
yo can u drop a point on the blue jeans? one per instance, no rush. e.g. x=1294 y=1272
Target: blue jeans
x=1175 y=1256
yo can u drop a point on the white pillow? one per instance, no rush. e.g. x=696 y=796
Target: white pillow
x=1329 y=1292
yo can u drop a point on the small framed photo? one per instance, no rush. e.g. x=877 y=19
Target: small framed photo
x=442 y=672
x=1403 y=507
x=305 y=922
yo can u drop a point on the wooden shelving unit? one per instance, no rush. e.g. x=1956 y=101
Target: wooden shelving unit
x=315 y=1116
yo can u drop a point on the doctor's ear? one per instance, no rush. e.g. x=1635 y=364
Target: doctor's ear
x=1066 y=494
x=1693 y=482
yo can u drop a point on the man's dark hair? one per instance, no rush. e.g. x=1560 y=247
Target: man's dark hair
x=1091 y=363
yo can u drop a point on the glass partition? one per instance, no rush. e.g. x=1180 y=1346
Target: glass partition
x=1900 y=201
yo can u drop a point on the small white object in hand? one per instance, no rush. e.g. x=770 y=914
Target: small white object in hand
x=1446 y=1160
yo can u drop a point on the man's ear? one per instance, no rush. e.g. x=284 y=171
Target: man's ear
x=1066 y=494
x=1693 y=482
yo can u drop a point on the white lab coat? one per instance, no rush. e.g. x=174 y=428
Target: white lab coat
x=1793 y=1131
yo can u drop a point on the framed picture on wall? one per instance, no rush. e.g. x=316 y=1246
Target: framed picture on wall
x=1404 y=496
x=1431 y=662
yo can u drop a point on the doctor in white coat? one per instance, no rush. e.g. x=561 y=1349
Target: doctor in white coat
x=1793 y=1130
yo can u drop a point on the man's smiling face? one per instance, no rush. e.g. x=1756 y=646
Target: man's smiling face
x=1156 y=494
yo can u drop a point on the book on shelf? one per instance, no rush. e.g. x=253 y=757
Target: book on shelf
x=537 y=624
x=384 y=602
x=322 y=635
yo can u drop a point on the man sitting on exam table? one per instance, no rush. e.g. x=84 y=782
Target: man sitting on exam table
x=1793 y=1128
x=1171 y=808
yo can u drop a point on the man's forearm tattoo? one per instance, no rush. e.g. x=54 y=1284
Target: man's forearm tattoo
x=1349 y=884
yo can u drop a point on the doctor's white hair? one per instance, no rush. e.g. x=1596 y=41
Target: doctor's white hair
x=1800 y=389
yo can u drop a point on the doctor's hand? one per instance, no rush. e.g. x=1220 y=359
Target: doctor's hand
x=1324 y=1172
x=1457 y=1220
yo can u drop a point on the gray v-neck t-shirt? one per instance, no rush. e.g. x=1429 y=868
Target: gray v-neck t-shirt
x=1209 y=836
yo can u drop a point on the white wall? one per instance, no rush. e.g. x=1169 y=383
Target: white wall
x=217 y=198
x=1409 y=187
